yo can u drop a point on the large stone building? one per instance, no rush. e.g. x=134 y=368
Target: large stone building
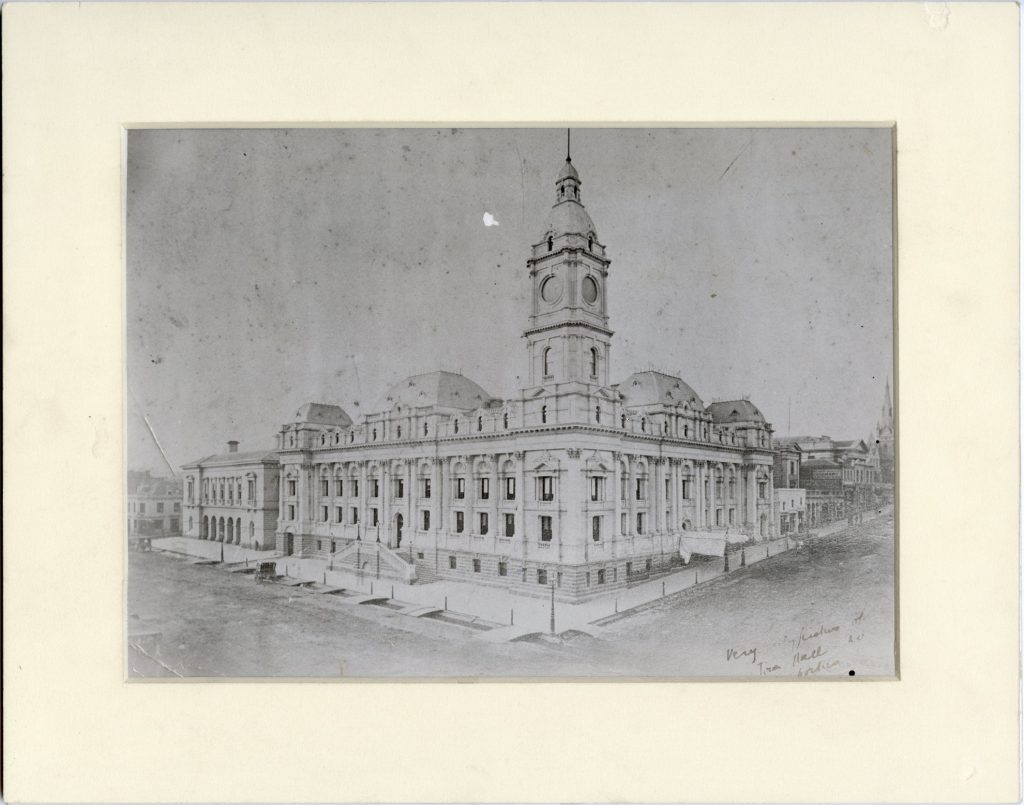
x=232 y=497
x=574 y=481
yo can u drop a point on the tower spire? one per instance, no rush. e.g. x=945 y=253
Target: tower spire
x=568 y=145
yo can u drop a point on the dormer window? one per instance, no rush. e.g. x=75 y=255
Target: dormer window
x=504 y=420
x=456 y=426
x=479 y=423
x=590 y=244
x=543 y=414
x=597 y=414
x=551 y=243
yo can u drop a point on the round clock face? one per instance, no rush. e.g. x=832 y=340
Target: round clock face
x=551 y=289
x=589 y=290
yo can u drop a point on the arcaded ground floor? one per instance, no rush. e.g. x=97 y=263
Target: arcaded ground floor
x=826 y=608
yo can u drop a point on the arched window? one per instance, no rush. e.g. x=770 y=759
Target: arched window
x=375 y=434
x=543 y=414
x=551 y=243
x=597 y=413
x=686 y=431
x=593 y=362
x=479 y=423
x=643 y=425
x=399 y=431
x=351 y=436
x=504 y=420
x=456 y=426
x=547 y=361
x=623 y=420
x=252 y=529
x=664 y=427
x=424 y=428
x=323 y=438
x=590 y=243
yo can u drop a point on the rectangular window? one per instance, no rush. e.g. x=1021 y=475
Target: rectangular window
x=325 y=488
x=400 y=488
x=502 y=568
x=600 y=576
x=374 y=488
x=355 y=515
x=510 y=525
x=485 y=488
x=460 y=488
x=291 y=512
x=647 y=565
x=426 y=520
x=476 y=565
x=338 y=489
x=159 y=508
x=177 y=507
x=338 y=514
x=374 y=517
x=319 y=545
x=426 y=487
x=629 y=569
x=483 y=522
x=596 y=489
x=174 y=524
x=547 y=487
x=641 y=490
x=718 y=516
x=142 y=508
x=588 y=578
x=355 y=488
x=596 y=529
x=451 y=563
x=545 y=529
x=542 y=577
x=460 y=522
x=624 y=525
x=668 y=488
x=291 y=488
x=615 y=574
x=762 y=488
x=510 y=489
x=639 y=522
x=732 y=516
x=623 y=486
x=686 y=489
x=323 y=514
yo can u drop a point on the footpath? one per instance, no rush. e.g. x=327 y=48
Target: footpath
x=497 y=614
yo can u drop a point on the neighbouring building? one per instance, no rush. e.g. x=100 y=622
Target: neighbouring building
x=574 y=482
x=791 y=510
x=232 y=497
x=884 y=442
x=154 y=505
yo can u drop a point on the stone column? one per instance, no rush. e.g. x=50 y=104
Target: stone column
x=385 y=504
x=616 y=529
x=435 y=495
x=363 y=495
x=631 y=496
x=751 y=478
x=495 y=498
x=713 y=470
x=520 y=507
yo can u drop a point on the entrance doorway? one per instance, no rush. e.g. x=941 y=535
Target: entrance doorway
x=289 y=544
x=399 y=521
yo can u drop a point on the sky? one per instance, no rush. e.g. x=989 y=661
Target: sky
x=269 y=268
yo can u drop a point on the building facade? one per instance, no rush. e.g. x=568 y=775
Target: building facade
x=791 y=510
x=574 y=482
x=154 y=506
x=233 y=497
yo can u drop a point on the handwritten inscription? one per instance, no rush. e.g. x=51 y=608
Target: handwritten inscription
x=816 y=649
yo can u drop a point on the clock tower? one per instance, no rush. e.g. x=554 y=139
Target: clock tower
x=568 y=337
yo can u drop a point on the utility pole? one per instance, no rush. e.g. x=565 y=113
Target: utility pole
x=552 y=607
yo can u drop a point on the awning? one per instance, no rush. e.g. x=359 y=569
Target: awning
x=705 y=543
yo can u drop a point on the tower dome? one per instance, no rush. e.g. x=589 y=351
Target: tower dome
x=568 y=216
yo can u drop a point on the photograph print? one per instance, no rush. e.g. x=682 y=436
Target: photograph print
x=510 y=403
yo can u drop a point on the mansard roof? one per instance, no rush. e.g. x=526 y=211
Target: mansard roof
x=437 y=390
x=323 y=414
x=728 y=411
x=657 y=388
x=234 y=458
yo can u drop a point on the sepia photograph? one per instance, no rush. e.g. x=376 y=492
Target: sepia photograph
x=511 y=403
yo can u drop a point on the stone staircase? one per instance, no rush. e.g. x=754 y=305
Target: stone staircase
x=377 y=560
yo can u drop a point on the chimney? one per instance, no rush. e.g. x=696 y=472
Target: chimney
x=232 y=446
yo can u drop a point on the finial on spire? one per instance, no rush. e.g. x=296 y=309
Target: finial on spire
x=568 y=145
